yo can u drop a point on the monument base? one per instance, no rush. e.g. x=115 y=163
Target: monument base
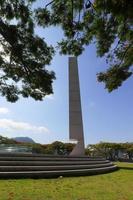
x=24 y=165
x=78 y=150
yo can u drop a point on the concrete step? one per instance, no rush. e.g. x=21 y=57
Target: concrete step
x=31 y=158
x=50 y=168
x=50 y=162
x=56 y=173
x=42 y=156
x=25 y=165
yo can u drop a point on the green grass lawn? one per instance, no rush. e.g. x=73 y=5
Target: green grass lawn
x=113 y=186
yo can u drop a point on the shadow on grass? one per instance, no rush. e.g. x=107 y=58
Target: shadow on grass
x=127 y=168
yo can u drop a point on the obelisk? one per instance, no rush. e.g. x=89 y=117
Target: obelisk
x=75 y=111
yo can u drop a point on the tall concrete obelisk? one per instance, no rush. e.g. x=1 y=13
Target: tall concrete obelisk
x=75 y=112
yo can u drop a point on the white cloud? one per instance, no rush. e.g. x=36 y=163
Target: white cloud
x=4 y=110
x=13 y=125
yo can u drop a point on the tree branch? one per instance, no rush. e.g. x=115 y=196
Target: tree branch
x=49 y=3
x=4 y=31
x=124 y=54
x=72 y=10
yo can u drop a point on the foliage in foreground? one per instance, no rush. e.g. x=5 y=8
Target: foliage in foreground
x=113 y=186
x=24 y=55
x=108 y=24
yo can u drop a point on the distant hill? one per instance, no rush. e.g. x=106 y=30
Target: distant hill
x=24 y=139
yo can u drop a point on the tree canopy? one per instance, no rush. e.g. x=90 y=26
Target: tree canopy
x=24 y=55
x=112 y=151
x=107 y=23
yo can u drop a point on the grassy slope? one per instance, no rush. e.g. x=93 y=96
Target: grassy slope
x=113 y=186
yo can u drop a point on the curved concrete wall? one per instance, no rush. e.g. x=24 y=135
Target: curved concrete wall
x=40 y=166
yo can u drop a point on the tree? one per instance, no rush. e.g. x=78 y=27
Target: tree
x=111 y=151
x=23 y=54
x=128 y=147
x=5 y=140
x=108 y=23
x=61 y=148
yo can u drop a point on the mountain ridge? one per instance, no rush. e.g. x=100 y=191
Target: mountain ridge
x=24 y=139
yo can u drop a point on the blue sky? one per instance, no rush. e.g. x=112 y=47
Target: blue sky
x=106 y=116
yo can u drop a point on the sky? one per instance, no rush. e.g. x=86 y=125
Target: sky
x=106 y=116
